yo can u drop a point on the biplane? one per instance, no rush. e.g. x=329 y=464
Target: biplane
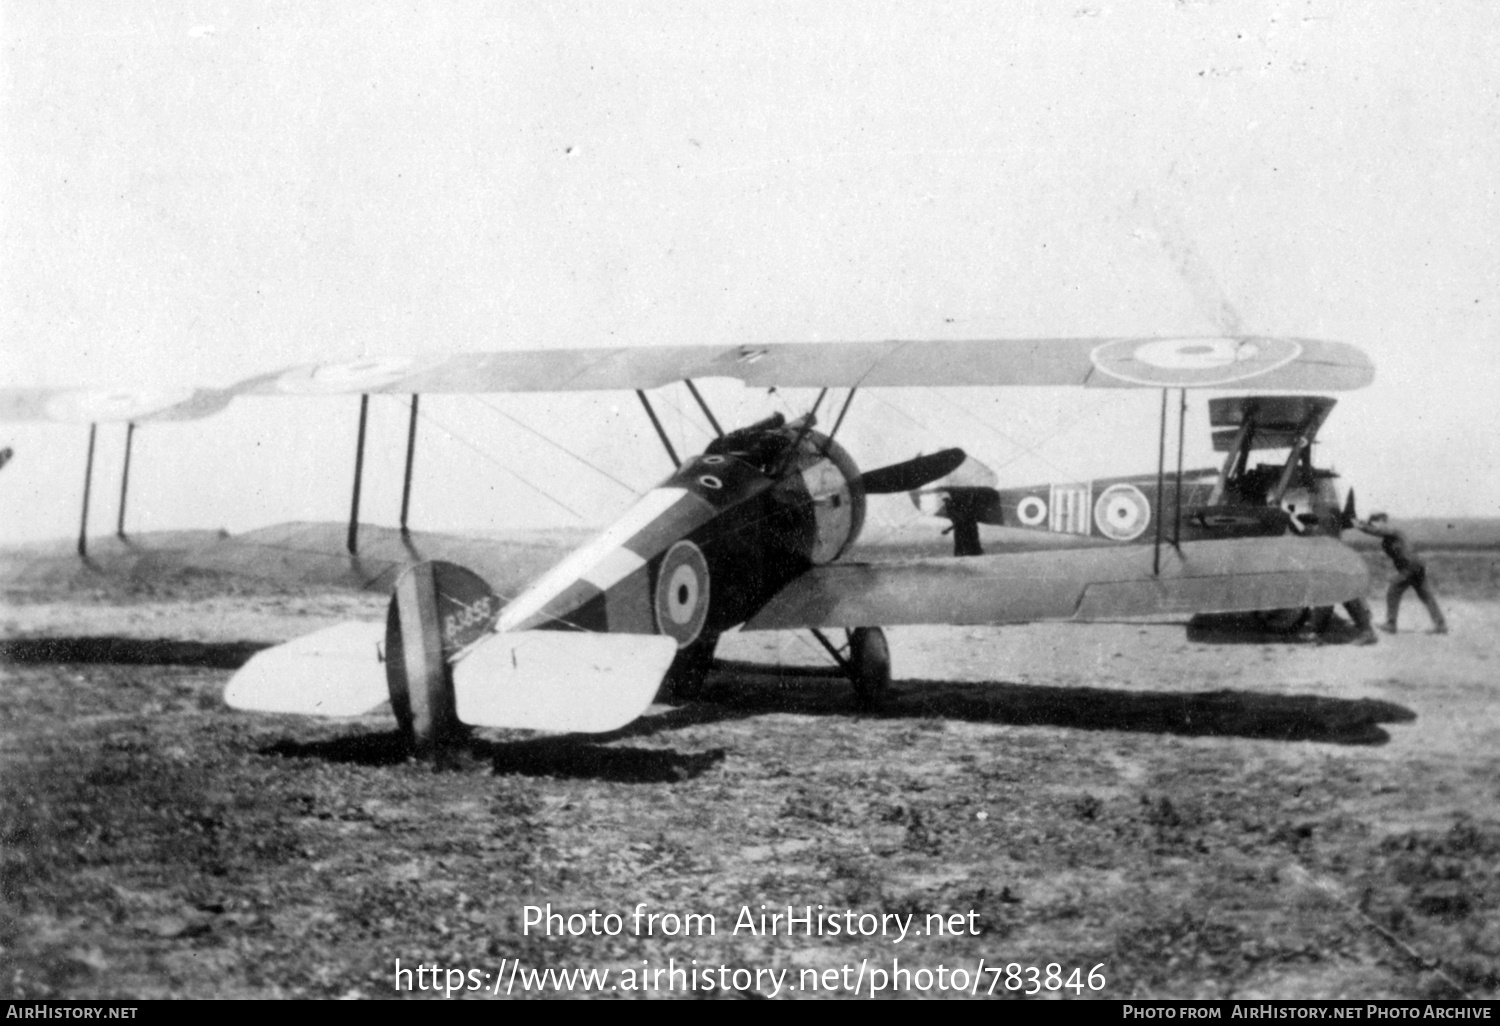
x=1286 y=497
x=751 y=533
x=1234 y=500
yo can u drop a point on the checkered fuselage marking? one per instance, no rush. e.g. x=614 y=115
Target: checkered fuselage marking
x=617 y=553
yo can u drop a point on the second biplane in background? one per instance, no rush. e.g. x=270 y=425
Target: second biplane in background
x=1234 y=500
x=1286 y=497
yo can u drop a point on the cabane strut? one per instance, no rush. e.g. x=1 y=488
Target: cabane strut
x=660 y=431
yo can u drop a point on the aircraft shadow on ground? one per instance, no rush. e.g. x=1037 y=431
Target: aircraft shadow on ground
x=739 y=689
x=746 y=689
x=214 y=655
x=568 y=756
x=1252 y=629
x=590 y=757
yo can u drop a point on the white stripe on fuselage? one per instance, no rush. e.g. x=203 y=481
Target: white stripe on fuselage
x=602 y=561
x=613 y=568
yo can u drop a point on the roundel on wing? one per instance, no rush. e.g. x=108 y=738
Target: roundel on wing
x=682 y=593
x=114 y=405
x=1031 y=510
x=1193 y=362
x=1122 y=512
x=355 y=376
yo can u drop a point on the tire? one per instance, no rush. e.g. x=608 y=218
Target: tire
x=687 y=677
x=869 y=666
x=1281 y=621
x=1320 y=619
x=428 y=719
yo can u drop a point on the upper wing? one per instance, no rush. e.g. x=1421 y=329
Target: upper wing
x=98 y=406
x=1229 y=362
x=1072 y=584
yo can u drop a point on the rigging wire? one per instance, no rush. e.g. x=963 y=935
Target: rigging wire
x=887 y=530
x=558 y=445
x=684 y=420
x=713 y=422
x=1059 y=428
x=426 y=415
x=507 y=596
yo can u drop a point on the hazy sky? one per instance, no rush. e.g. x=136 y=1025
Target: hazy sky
x=194 y=193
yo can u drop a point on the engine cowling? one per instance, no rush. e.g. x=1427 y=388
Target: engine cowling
x=823 y=483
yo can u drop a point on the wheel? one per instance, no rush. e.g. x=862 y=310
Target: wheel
x=421 y=690
x=869 y=665
x=1320 y=619
x=417 y=674
x=688 y=674
x=1281 y=621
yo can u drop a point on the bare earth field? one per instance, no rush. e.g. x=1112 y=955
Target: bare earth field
x=1195 y=813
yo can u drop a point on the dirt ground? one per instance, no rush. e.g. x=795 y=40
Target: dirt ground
x=1184 y=813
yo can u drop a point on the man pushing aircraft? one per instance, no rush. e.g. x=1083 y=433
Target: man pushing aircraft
x=1410 y=570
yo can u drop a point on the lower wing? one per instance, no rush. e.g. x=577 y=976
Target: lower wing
x=1072 y=584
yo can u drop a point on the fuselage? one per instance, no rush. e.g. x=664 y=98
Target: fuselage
x=708 y=546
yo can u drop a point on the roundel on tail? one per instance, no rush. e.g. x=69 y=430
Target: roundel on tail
x=1193 y=362
x=682 y=593
x=1122 y=512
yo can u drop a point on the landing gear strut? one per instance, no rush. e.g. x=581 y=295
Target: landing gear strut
x=866 y=661
x=688 y=673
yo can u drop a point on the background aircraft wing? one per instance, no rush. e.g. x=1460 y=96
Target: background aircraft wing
x=1217 y=362
x=315 y=553
x=99 y=406
x=295 y=554
x=1071 y=584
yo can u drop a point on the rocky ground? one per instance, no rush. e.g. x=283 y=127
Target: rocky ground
x=1184 y=813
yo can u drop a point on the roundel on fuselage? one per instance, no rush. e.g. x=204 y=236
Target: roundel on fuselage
x=1032 y=510
x=682 y=593
x=1122 y=512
